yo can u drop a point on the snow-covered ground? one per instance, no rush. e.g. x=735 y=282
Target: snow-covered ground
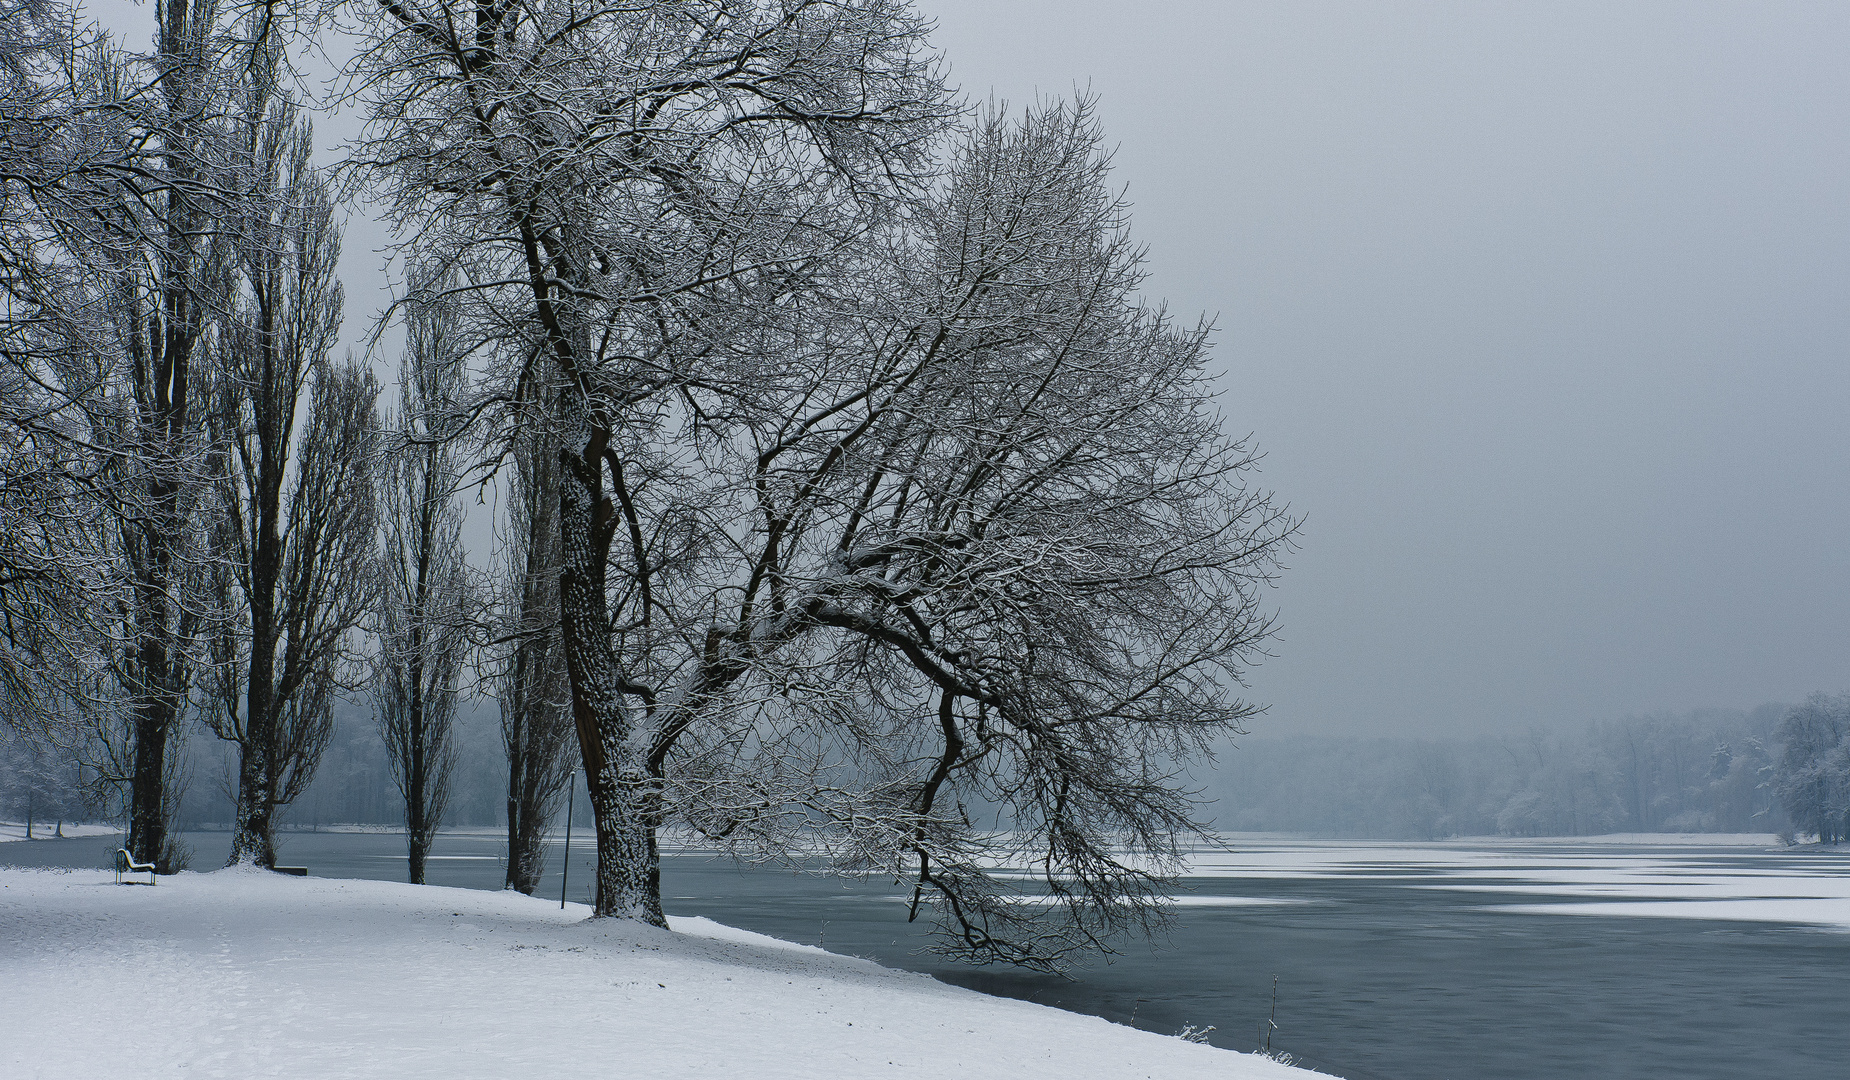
x=245 y=973
x=45 y=830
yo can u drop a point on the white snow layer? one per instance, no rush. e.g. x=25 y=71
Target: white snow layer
x=43 y=830
x=243 y=973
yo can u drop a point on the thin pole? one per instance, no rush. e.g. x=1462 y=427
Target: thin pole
x=565 y=869
x=1271 y=1023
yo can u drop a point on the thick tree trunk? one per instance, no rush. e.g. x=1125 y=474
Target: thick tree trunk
x=629 y=876
x=163 y=342
x=526 y=829
x=616 y=773
x=516 y=850
x=152 y=712
x=253 y=834
x=253 y=839
x=160 y=669
x=147 y=829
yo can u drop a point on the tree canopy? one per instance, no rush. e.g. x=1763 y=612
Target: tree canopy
x=891 y=525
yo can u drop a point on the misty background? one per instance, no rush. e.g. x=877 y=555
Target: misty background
x=1708 y=771
x=1540 y=315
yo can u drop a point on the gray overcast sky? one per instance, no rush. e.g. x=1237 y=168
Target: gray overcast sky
x=1539 y=310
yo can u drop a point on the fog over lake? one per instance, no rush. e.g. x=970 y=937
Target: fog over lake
x=1539 y=311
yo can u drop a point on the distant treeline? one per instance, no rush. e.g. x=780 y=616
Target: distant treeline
x=1775 y=769
x=1711 y=770
x=353 y=785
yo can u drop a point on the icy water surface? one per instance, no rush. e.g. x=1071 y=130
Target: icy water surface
x=1464 y=959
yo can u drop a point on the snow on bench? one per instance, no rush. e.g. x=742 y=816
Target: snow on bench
x=126 y=864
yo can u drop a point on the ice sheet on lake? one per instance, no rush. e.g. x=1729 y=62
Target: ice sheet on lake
x=1820 y=911
x=1680 y=877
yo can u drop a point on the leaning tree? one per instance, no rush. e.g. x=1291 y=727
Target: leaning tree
x=987 y=557
x=586 y=174
x=885 y=509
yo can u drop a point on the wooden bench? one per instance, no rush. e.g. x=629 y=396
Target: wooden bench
x=126 y=864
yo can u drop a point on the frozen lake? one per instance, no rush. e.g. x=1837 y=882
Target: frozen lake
x=1463 y=959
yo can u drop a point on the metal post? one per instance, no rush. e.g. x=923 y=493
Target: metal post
x=565 y=868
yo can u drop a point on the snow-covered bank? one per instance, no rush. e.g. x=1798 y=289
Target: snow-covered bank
x=243 y=973
x=16 y=830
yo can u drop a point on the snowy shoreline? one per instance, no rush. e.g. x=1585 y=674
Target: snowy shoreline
x=13 y=830
x=72 y=830
x=244 y=973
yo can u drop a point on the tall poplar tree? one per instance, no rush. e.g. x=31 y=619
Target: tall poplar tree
x=423 y=606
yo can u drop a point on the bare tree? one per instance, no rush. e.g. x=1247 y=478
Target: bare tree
x=586 y=174
x=48 y=546
x=1813 y=777
x=884 y=504
x=298 y=542
x=424 y=602
x=290 y=653
x=167 y=284
x=115 y=277
x=990 y=555
x=535 y=698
